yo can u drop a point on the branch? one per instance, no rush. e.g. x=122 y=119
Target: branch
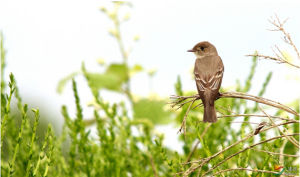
x=258 y=100
x=183 y=124
x=293 y=141
x=206 y=160
x=279 y=55
x=179 y=99
x=276 y=153
x=279 y=27
x=229 y=157
x=247 y=169
x=279 y=59
x=257 y=115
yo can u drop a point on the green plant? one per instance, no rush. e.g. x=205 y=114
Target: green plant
x=125 y=142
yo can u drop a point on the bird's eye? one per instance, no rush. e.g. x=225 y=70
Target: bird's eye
x=202 y=48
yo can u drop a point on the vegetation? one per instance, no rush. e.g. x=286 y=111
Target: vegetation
x=127 y=144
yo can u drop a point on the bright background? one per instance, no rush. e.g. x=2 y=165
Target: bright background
x=47 y=40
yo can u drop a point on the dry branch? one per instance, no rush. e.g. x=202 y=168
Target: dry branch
x=276 y=153
x=249 y=147
x=183 y=124
x=258 y=100
x=293 y=141
x=247 y=169
x=279 y=27
x=206 y=160
x=280 y=57
x=179 y=99
x=257 y=115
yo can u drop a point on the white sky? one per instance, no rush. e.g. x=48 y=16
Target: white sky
x=47 y=40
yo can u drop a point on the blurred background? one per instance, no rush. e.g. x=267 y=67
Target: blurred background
x=45 y=41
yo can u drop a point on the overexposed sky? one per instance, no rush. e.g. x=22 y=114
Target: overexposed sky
x=47 y=40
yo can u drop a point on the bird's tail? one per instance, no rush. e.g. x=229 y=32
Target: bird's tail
x=209 y=108
x=209 y=113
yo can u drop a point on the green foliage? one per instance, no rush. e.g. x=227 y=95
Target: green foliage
x=2 y=55
x=124 y=141
x=25 y=155
x=113 y=79
x=153 y=110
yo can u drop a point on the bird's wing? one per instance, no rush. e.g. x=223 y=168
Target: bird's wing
x=209 y=73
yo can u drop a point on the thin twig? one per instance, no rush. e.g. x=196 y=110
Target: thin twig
x=276 y=153
x=257 y=115
x=226 y=109
x=279 y=59
x=183 y=124
x=198 y=105
x=279 y=27
x=229 y=157
x=197 y=143
x=280 y=56
x=247 y=169
x=290 y=139
x=242 y=122
x=206 y=160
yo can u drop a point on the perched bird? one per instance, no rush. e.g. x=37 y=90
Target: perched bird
x=208 y=72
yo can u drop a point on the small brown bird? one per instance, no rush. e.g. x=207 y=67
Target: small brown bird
x=208 y=72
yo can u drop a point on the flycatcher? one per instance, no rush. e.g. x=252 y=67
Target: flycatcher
x=208 y=72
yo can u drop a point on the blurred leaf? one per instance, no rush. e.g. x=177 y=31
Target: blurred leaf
x=112 y=79
x=135 y=69
x=152 y=110
x=119 y=70
x=178 y=86
x=104 y=81
x=62 y=83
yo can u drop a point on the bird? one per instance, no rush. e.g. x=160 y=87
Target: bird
x=208 y=71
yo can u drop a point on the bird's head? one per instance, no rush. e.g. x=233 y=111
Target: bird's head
x=203 y=49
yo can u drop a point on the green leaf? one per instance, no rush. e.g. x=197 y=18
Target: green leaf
x=104 y=81
x=62 y=83
x=151 y=109
x=119 y=70
x=112 y=79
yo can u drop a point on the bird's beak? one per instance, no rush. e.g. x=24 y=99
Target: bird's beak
x=191 y=50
